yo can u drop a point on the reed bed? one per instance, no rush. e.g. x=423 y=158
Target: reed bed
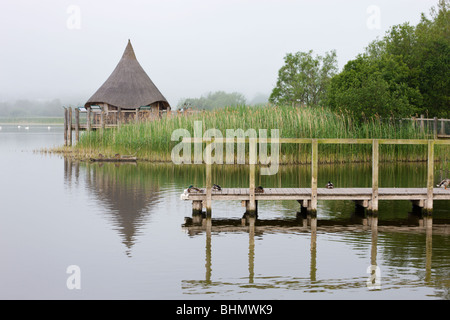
x=152 y=140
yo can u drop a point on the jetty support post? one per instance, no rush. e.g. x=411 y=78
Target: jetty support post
x=442 y=127
x=65 y=125
x=314 y=171
x=197 y=207
x=430 y=178
x=69 y=127
x=77 y=124
x=373 y=203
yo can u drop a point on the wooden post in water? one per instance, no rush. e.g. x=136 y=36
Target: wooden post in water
x=373 y=207
x=197 y=207
x=314 y=173
x=65 y=126
x=442 y=127
x=430 y=178
x=208 y=201
x=77 y=124
x=88 y=119
x=69 y=127
x=251 y=208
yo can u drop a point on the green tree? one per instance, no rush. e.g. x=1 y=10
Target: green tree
x=304 y=78
x=368 y=87
x=405 y=73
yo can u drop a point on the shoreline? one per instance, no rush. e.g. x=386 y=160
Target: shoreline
x=85 y=155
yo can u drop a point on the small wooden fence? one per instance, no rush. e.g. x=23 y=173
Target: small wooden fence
x=436 y=128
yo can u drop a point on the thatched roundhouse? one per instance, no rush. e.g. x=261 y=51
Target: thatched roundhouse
x=128 y=89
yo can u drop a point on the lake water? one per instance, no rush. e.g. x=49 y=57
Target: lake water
x=129 y=235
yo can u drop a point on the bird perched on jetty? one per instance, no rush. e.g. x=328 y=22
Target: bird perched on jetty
x=117 y=156
x=330 y=185
x=191 y=188
x=216 y=187
x=100 y=156
x=444 y=183
x=259 y=189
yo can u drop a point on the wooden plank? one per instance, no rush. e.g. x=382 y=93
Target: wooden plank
x=77 y=124
x=69 y=129
x=356 y=194
x=208 y=186
x=430 y=176
x=252 y=201
x=65 y=126
x=314 y=172
x=375 y=153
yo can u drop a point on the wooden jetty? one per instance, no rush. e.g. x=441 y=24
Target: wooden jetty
x=100 y=118
x=308 y=197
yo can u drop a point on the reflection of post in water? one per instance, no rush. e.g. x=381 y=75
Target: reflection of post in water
x=68 y=170
x=251 y=247
x=208 y=225
x=428 y=223
x=373 y=281
x=313 y=267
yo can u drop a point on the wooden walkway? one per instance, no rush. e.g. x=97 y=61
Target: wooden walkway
x=243 y=194
x=361 y=196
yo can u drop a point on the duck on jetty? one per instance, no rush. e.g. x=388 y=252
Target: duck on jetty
x=444 y=184
x=192 y=189
x=216 y=187
x=330 y=185
x=259 y=189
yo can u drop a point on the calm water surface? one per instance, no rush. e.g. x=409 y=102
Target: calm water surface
x=132 y=237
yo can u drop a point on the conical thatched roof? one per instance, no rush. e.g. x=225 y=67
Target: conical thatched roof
x=128 y=86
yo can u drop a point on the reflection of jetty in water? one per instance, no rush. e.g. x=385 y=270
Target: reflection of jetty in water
x=200 y=224
x=125 y=194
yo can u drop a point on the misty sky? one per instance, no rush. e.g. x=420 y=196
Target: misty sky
x=67 y=49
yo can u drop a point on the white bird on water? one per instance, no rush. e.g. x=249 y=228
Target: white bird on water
x=48 y=128
x=18 y=127
x=27 y=128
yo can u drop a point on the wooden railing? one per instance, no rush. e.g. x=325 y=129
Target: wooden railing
x=312 y=206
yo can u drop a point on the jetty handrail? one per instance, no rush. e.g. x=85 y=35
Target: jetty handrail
x=319 y=141
x=312 y=206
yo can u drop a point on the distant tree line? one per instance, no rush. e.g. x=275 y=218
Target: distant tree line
x=29 y=108
x=407 y=72
x=213 y=100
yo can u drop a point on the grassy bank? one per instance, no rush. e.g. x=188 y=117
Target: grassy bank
x=152 y=140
